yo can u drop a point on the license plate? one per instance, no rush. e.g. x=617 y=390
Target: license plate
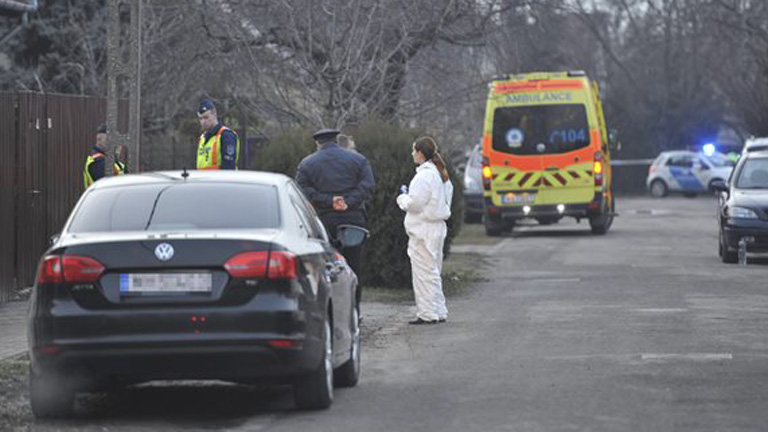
x=162 y=283
x=520 y=198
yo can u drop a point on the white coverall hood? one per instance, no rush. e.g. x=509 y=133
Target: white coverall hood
x=427 y=205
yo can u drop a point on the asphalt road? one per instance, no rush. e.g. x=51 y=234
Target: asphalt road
x=639 y=330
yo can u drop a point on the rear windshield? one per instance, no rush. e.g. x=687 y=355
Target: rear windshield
x=540 y=129
x=186 y=206
x=753 y=174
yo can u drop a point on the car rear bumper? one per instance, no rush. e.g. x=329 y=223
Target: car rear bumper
x=92 y=366
x=252 y=342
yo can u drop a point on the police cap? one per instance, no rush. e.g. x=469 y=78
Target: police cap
x=325 y=134
x=205 y=106
x=102 y=129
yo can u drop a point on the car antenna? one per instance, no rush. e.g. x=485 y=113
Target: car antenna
x=184 y=173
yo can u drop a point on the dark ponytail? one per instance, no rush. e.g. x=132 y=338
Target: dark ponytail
x=428 y=147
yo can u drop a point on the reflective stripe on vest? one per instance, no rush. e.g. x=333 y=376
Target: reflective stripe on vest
x=87 y=179
x=209 y=152
x=118 y=169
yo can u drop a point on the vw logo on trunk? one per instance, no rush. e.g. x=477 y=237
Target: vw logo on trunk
x=164 y=251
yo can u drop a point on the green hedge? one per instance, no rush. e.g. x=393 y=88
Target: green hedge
x=388 y=149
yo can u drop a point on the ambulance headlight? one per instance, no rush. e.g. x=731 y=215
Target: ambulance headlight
x=526 y=209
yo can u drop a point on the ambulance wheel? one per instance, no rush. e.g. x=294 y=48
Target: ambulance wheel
x=601 y=223
x=492 y=228
x=659 y=189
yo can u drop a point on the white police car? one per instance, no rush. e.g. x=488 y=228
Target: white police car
x=687 y=172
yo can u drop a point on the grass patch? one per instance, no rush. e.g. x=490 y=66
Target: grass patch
x=474 y=234
x=388 y=295
x=460 y=270
x=15 y=413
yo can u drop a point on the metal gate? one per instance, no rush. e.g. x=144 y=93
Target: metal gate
x=44 y=141
x=7 y=201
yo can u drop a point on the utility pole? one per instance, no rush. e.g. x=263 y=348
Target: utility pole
x=124 y=77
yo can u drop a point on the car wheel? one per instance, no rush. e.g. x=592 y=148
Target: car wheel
x=314 y=391
x=659 y=189
x=50 y=396
x=600 y=224
x=348 y=374
x=726 y=256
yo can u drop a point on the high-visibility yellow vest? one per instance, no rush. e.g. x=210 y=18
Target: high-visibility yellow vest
x=118 y=168
x=87 y=179
x=209 y=151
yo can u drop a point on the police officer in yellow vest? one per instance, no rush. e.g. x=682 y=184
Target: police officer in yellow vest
x=95 y=164
x=219 y=147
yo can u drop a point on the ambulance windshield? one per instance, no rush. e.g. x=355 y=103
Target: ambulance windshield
x=540 y=129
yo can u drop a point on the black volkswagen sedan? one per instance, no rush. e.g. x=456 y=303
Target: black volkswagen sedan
x=743 y=213
x=200 y=275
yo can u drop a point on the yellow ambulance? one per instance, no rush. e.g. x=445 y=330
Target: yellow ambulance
x=545 y=152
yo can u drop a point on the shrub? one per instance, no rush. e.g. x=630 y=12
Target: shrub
x=388 y=149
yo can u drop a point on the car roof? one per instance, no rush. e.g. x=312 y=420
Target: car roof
x=213 y=176
x=757 y=154
x=756 y=141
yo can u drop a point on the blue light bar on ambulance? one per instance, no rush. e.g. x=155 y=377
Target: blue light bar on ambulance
x=576 y=73
x=708 y=149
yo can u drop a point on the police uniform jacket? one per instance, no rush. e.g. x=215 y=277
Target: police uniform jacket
x=228 y=146
x=97 y=169
x=333 y=171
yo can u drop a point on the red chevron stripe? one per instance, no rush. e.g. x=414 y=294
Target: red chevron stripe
x=525 y=178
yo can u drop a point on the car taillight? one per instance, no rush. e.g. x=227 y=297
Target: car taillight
x=487 y=174
x=69 y=269
x=598 y=169
x=248 y=265
x=257 y=265
x=282 y=265
x=81 y=269
x=50 y=270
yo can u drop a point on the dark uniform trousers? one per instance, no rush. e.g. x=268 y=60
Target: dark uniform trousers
x=354 y=255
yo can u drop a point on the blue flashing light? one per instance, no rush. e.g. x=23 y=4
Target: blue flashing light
x=708 y=149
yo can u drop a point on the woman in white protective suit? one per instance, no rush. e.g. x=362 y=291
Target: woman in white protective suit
x=427 y=203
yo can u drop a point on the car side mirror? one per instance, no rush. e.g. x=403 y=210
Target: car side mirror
x=53 y=239
x=720 y=187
